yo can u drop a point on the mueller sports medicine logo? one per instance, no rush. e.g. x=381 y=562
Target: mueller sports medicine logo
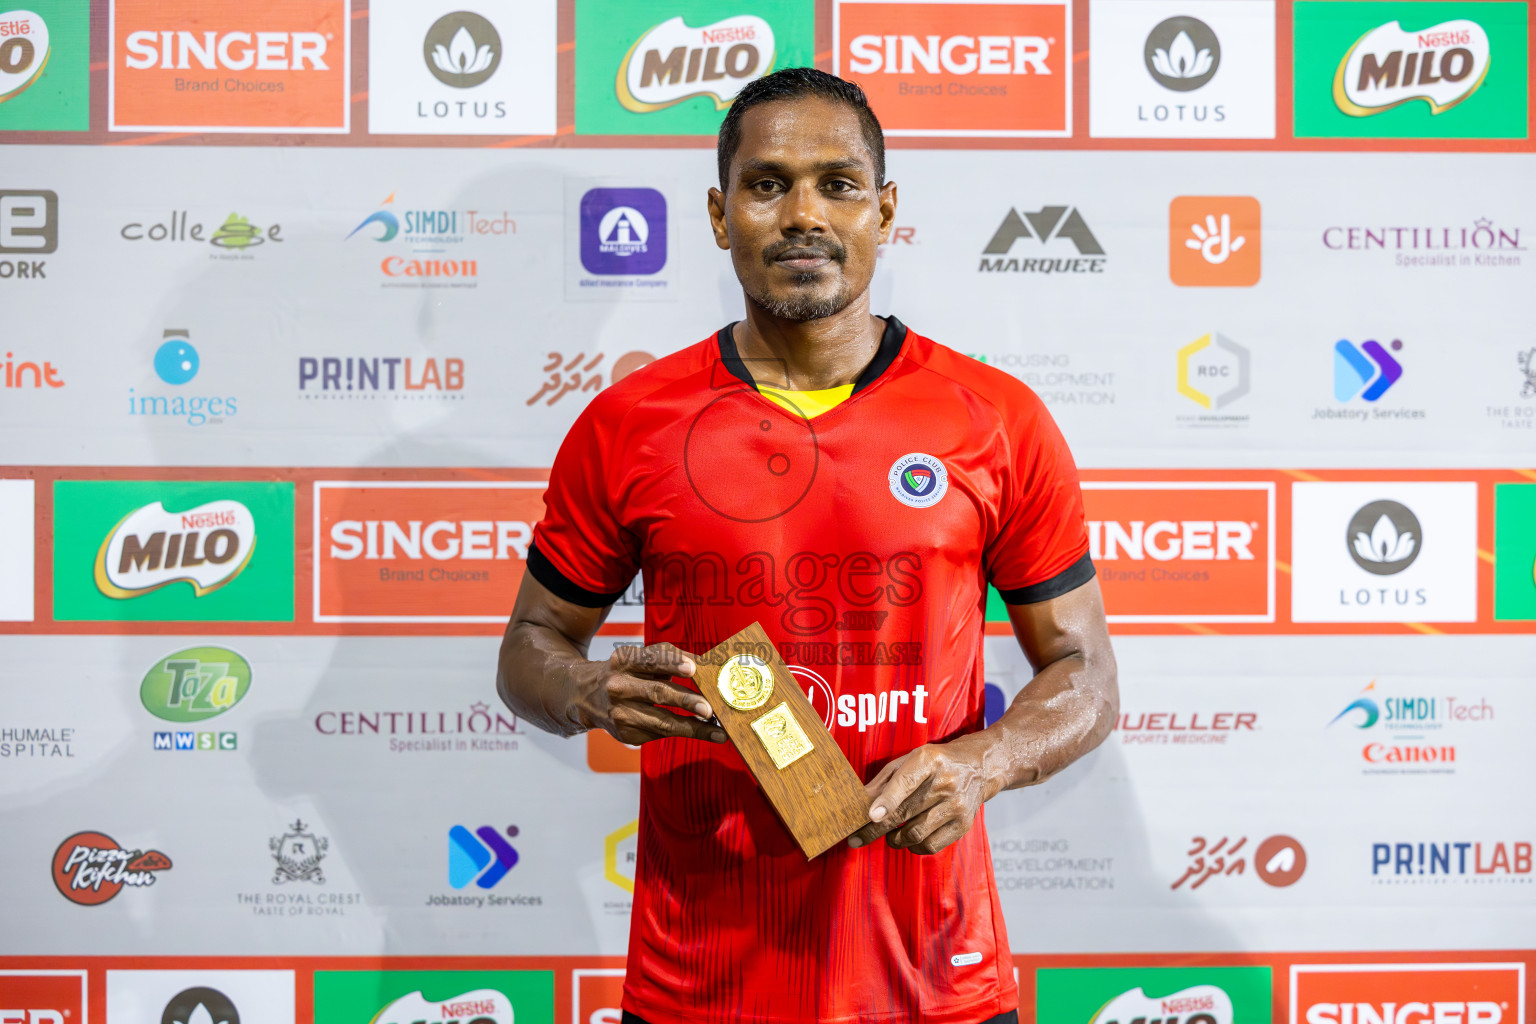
x=29 y=227
x=674 y=62
x=1187 y=728
x=1411 y=993
x=206 y=547
x=1051 y=226
x=89 y=868
x=1441 y=65
x=1183 y=551
x=959 y=69
x=43 y=996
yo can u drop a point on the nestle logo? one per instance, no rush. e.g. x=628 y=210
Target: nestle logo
x=1444 y=39
x=728 y=35
x=1189 y=1004
x=203 y=520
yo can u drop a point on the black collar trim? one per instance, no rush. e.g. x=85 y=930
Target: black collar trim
x=885 y=355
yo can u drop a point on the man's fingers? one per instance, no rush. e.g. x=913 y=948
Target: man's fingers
x=898 y=811
x=930 y=831
x=656 y=691
x=636 y=723
x=660 y=661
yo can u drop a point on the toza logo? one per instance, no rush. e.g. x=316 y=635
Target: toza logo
x=674 y=62
x=1384 y=537
x=1198 y=1004
x=481 y=856
x=1369 y=378
x=462 y=49
x=207 y=546
x=1182 y=54
x=1387 y=67
x=195 y=684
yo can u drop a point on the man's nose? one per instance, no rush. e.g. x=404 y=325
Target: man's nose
x=804 y=210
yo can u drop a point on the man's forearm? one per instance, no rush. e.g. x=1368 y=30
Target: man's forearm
x=538 y=675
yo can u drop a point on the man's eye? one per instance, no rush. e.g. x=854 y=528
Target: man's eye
x=766 y=185
x=839 y=186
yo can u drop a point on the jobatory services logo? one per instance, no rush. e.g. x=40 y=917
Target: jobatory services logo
x=483 y=856
x=918 y=480
x=1467 y=992
x=1384 y=552
x=29 y=227
x=1179 y=552
x=44 y=61
x=398 y=378
x=1121 y=995
x=229 y=66
x=1410 y=70
x=173 y=551
x=1365 y=371
x=1480 y=244
x=1051 y=226
x=425 y=551
x=1468 y=860
x=435 y=68
x=674 y=68
x=191 y=686
x=44 y=996
x=434 y=997
x=200 y=997
x=620 y=243
x=1514 y=552
x=90 y=868
x=1167 y=69
x=1214 y=241
x=430 y=233
x=1409 y=732
x=1214 y=372
x=993 y=69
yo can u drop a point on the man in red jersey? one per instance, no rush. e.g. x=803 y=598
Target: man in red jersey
x=854 y=487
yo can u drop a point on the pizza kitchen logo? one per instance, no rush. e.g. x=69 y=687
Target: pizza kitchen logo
x=1387 y=67
x=206 y=547
x=89 y=868
x=673 y=62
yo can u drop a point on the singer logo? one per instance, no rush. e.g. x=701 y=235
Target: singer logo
x=959 y=68
x=1466 y=993
x=1213 y=241
x=43 y=997
x=1182 y=552
x=229 y=66
x=598 y=993
x=421 y=552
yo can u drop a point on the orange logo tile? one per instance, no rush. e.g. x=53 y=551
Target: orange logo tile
x=1214 y=241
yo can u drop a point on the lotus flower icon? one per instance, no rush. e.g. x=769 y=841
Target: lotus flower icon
x=460 y=56
x=1182 y=53
x=1181 y=59
x=462 y=49
x=1384 y=537
x=1384 y=544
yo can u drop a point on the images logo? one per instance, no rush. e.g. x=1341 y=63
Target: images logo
x=1049 y=224
x=43 y=997
x=176 y=362
x=1377 y=73
x=1369 y=378
x=298 y=853
x=29 y=226
x=996 y=69
x=917 y=480
x=195 y=684
x=1213 y=241
x=1473 y=993
x=1182 y=54
x=1384 y=537
x=206 y=546
x=44 y=57
x=716 y=61
x=1199 y=375
x=623 y=231
x=89 y=868
x=484 y=860
x=462 y=49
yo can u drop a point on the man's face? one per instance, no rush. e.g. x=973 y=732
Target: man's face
x=803 y=215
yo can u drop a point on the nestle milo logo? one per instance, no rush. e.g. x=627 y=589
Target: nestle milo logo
x=149 y=548
x=195 y=684
x=673 y=62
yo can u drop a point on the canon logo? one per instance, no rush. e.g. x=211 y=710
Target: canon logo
x=442 y=539
x=1473 y=1012
x=233 y=51
x=958 y=55
x=1165 y=540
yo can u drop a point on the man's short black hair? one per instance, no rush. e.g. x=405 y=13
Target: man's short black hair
x=791 y=84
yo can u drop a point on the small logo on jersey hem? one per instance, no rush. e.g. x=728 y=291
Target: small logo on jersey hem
x=964 y=959
x=918 y=480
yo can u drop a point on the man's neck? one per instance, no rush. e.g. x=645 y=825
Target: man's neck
x=809 y=355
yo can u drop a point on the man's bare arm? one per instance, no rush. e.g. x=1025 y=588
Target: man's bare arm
x=544 y=676
x=928 y=798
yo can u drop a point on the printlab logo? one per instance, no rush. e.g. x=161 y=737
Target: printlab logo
x=200 y=1005
x=1047 y=225
x=1213 y=372
x=1366 y=372
x=1384 y=537
x=1182 y=54
x=918 y=481
x=1278 y=861
x=623 y=231
x=89 y=868
x=482 y=856
x=1428 y=863
x=1214 y=241
x=462 y=49
x=298 y=853
x=29 y=226
x=397 y=377
x=176 y=362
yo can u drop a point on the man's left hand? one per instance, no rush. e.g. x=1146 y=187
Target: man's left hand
x=925 y=799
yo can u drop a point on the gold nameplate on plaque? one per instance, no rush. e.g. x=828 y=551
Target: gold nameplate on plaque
x=782 y=736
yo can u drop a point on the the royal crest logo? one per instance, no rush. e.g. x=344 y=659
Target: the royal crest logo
x=918 y=480
x=481 y=1006
x=674 y=62
x=1387 y=67
x=207 y=546
x=298 y=853
x=89 y=868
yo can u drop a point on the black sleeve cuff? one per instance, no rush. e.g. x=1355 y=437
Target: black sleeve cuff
x=556 y=582
x=1069 y=579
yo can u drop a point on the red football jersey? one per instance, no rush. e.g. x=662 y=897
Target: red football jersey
x=862 y=540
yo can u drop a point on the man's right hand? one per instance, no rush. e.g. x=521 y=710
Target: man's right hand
x=629 y=694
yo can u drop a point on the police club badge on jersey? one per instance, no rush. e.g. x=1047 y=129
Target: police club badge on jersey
x=918 y=480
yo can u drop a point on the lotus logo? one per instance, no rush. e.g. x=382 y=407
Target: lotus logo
x=482 y=1006
x=207 y=546
x=674 y=62
x=1205 y=1003
x=200 y=1006
x=1182 y=54
x=462 y=49
x=1388 y=67
x=1384 y=537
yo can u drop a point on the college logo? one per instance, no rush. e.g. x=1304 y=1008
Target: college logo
x=43 y=997
x=176 y=363
x=623 y=231
x=953 y=69
x=1172 y=995
x=674 y=62
x=1180 y=552
x=29 y=226
x=1474 y=993
x=1214 y=241
x=481 y=856
x=1365 y=372
x=228 y=66
x=1213 y=372
x=235 y=236
x=1384 y=537
x=1514 y=552
x=1046 y=225
x=1182 y=53
x=298 y=853
x=206 y=546
x=44 y=54
x=918 y=480
x=1401 y=70
x=89 y=868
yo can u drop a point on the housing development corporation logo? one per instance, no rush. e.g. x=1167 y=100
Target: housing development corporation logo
x=1214 y=241
x=29 y=227
x=1171 y=995
x=1467 y=993
x=89 y=868
x=674 y=62
x=1441 y=65
x=1050 y=226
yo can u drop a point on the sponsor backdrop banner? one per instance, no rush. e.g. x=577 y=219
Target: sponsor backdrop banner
x=298 y=299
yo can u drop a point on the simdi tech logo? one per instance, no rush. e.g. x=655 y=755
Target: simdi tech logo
x=434 y=997
x=1410 y=70
x=435 y=68
x=173 y=551
x=959 y=69
x=1122 y=995
x=1214 y=241
x=672 y=68
x=430 y=232
x=44 y=996
x=44 y=66
x=229 y=66
x=1465 y=993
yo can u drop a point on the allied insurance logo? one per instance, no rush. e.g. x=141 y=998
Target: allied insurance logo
x=1469 y=993
x=623 y=231
x=90 y=868
x=229 y=66
x=979 y=69
x=1183 y=552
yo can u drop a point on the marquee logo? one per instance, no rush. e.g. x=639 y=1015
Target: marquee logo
x=43 y=996
x=1047 y=225
x=1199 y=1004
x=1467 y=993
x=1441 y=65
x=674 y=62
x=207 y=546
x=89 y=868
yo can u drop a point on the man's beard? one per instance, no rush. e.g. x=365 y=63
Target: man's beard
x=801 y=307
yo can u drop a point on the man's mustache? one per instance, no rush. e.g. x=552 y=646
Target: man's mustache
x=831 y=248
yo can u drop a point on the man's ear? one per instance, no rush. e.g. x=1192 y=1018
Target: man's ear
x=717 y=218
x=887 y=210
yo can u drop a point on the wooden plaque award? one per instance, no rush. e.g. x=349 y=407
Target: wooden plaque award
x=802 y=771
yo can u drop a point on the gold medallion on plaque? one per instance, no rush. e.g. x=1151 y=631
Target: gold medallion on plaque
x=745 y=682
x=782 y=736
